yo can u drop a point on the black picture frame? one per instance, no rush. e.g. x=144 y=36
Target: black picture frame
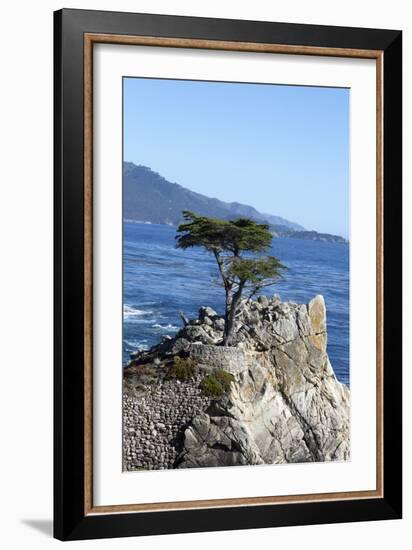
x=70 y=520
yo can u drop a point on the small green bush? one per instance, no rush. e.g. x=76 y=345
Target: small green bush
x=183 y=369
x=216 y=384
x=211 y=387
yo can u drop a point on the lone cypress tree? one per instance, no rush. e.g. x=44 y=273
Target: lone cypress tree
x=238 y=247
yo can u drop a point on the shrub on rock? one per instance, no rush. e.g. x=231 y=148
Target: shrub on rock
x=216 y=384
x=183 y=369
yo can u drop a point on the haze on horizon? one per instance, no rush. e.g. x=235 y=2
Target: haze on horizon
x=281 y=149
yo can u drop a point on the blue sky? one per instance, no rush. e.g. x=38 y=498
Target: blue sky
x=282 y=149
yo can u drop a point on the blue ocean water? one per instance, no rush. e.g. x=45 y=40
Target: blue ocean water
x=160 y=280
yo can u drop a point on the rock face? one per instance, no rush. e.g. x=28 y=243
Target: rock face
x=284 y=403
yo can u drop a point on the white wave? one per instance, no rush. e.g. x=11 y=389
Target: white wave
x=135 y=343
x=136 y=221
x=165 y=327
x=138 y=321
x=129 y=311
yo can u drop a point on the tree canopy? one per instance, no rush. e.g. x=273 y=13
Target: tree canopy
x=239 y=247
x=234 y=236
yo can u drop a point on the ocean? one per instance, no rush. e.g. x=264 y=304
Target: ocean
x=160 y=280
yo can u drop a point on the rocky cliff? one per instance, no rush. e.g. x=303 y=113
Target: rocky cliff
x=280 y=402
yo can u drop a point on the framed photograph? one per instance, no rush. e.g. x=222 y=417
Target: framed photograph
x=227 y=274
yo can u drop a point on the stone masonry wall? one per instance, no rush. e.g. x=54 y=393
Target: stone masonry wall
x=154 y=419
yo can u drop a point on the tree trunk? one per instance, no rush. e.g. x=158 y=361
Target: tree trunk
x=227 y=314
x=230 y=316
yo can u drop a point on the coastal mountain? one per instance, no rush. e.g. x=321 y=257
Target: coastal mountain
x=282 y=231
x=148 y=197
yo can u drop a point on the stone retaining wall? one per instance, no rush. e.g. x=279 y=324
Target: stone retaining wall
x=233 y=360
x=154 y=422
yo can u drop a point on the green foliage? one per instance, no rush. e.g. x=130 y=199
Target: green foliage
x=219 y=235
x=183 y=369
x=256 y=270
x=216 y=384
x=233 y=244
x=211 y=387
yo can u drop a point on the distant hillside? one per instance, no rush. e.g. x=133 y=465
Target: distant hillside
x=148 y=197
x=281 y=231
